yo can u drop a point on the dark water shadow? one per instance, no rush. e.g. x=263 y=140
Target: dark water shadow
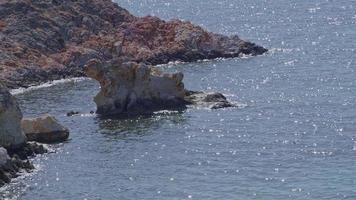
x=133 y=126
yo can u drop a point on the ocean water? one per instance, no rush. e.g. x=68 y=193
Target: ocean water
x=294 y=138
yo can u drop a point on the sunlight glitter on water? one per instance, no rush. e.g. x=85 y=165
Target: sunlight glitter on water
x=294 y=139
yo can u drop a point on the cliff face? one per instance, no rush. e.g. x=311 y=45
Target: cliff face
x=11 y=135
x=42 y=40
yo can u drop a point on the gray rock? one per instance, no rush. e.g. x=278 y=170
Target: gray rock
x=132 y=88
x=4 y=157
x=11 y=135
x=45 y=129
x=211 y=100
x=16 y=160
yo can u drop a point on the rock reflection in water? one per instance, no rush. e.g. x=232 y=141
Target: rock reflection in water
x=121 y=128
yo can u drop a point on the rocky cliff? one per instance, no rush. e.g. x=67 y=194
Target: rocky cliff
x=41 y=40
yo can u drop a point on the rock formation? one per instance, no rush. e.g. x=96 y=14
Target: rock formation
x=13 y=161
x=11 y=135
x=41 y=40
x=44 y=129
x=14 y=148
x=213 y=100
x=132 y=88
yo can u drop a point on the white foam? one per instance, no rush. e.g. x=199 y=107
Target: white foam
x=46 y=85
x=175 y=63
x=165 y=112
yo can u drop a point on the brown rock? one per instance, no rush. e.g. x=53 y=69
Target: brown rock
x=2 y=25
x=45 y=129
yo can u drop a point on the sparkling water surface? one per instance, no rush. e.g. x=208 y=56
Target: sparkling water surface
x=294 y=138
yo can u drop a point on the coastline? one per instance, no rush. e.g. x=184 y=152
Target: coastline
x=49 y=83
x=40 y=52
x=37 y=49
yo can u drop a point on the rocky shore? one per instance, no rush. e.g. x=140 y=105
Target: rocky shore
x=15 y=161
x=43 y=40
x=15 y=134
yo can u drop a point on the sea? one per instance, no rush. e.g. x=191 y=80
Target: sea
x=293 y=135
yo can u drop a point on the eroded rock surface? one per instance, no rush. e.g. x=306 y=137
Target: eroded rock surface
x=132 y=88
x=11 y=135
x=41 y=40
x=44 y=129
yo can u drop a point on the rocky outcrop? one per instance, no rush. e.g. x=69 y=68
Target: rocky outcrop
x=41 y=40
x=213 y=100
x=14 y=148
x=45 y=129
x=132 y=88
x=12 y=162
x=11 y=135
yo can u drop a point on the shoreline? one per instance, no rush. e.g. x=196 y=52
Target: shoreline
x=40 y=52
x=52 y=82
x=99 y=30
x=47 y=84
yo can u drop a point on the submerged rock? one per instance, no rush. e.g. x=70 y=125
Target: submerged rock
x=11 y=135
x=42 y=40
x=45 y=129
x=72 y=113
x=132 y=88
x=210 y=100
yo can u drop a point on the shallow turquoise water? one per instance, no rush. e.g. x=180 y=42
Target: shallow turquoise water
x=293 y=139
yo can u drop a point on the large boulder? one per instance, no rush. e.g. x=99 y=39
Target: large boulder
x=132 y=88
x=11 y=135
x=44 y=129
